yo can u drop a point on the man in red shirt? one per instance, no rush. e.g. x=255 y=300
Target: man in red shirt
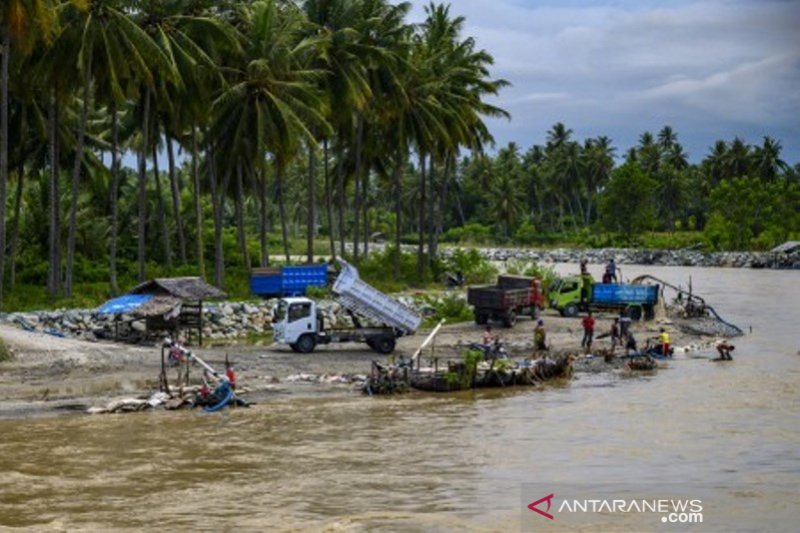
x=588 y=332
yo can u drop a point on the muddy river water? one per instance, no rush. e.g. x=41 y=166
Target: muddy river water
x=723 y=434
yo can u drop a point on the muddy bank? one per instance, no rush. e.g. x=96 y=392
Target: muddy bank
x=51 y=375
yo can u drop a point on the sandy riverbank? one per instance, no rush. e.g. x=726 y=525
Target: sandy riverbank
x=51 y=375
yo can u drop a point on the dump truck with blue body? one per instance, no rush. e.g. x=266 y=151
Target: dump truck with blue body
x=287 y=280
x=574 y=294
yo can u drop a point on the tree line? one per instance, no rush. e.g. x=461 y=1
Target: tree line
x=327 y=121
x=740 y=196
x=245 y=90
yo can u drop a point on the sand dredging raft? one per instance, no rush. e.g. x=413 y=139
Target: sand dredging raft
x=471 y=373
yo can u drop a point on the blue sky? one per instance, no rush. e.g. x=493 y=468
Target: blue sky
x=710 y=69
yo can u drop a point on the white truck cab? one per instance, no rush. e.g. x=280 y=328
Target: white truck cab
x=294 y=318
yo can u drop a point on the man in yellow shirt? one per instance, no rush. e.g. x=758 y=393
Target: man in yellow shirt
x=663 y=337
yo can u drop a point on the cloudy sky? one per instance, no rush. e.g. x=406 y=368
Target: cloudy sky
x=711 y=69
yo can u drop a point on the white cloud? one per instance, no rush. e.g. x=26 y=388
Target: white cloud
x=713 y=68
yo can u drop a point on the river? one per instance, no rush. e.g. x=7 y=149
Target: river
x=724 y=434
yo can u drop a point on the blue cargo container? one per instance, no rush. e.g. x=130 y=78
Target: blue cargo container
x=287 y=280
x=619 y=293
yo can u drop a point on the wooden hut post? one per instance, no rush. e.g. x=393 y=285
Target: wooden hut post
x=200 y=327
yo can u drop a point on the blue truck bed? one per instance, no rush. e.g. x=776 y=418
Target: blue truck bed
x=287 y=280
x=623 y=293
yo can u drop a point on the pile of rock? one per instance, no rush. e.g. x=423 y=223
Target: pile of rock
x=639 y=256
x=221 y=320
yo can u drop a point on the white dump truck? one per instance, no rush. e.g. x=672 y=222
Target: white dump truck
x=378 y=319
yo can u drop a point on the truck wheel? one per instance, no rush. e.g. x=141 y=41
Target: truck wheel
x=306 y=343
x=635 y=313
x=510 y=319
x=294 y=347
x=383 y=345
x=481 y=318
x=571 y=310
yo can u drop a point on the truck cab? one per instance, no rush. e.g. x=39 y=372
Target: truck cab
x=296 y=323
x=570 y=295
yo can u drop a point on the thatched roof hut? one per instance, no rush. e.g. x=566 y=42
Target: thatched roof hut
x=191 y=289
x=167 y=304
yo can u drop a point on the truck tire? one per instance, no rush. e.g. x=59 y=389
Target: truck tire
x=510 y=319
x=481 y=318
x=634 y=312
x=571 y=310
x=294 y=347
x=306 y=343
x=383 y=344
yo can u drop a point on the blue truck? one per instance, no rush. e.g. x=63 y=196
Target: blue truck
x=287 y=280
x=574 y=294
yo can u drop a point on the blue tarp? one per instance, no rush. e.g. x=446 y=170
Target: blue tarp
x=124 y=304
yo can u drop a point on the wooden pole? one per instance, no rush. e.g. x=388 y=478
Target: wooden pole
x=427 y=341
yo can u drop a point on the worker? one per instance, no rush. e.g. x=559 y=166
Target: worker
x=230 y=374
x=588 y=332
x=624 y=324
x=630 y=344
x=725 y=349
x=488 y=337
x=539 y=336
x=584 y=269
x=663 y=338
x=616 y=339
x=610 y=275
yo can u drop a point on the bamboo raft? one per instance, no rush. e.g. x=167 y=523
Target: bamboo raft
x=458 y=376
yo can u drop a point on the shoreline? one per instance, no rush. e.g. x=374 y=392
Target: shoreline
x=51 y=376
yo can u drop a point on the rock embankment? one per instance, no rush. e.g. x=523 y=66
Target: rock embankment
x=221 y=320
x=639 y=256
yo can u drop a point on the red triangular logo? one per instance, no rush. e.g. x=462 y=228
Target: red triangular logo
x=545 y=514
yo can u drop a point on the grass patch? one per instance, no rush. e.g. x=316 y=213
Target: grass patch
x=5 y=352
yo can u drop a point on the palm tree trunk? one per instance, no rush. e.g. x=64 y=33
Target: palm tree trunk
x=398 y=191
x=282 y=209
x=340 y=194
x=356 y=190
x=114 y=193
x=176 y=200
x=328 y=199
x=162 y=210
x=54 y=240
x=445 y=191
x=312 y=204
x=4 y=81
x=76 y=175
x=365 y=211
x=421 y=243
x=198 y=211
x=219 y=211
x=431 y=208
x=142 y=186
x=240 y=217
x=217 y=202
x=264 y=213
x=12 y=254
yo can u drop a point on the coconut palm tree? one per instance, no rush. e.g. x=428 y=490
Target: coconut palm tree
x=22 y=23
x=110 y=51
x=767 y=160
x=272 y=103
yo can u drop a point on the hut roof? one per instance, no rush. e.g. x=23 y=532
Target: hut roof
x=787 y=247
x=187 y=288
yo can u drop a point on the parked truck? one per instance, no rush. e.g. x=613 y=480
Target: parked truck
x=574 y=294
x=510 y=297
x=287 y=280
x=378 y=319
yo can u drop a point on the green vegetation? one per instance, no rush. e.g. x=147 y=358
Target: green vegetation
x=5 y=352
x=265 y=129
